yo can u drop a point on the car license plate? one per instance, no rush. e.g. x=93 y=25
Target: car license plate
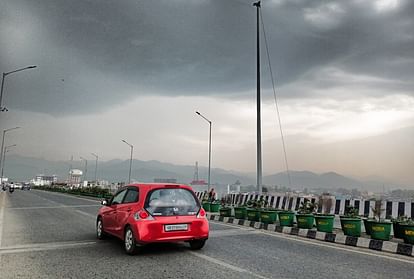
x=176 y=227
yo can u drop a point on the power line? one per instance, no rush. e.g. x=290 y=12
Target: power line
x=276 y=104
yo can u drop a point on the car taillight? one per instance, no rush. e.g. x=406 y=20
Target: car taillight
x=143 y=215
x=201 y=213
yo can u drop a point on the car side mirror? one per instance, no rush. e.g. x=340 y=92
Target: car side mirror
x=104 y=202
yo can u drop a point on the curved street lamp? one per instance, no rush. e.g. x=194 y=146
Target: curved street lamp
x=209 y=149
x=96 y=165
x=2 y=83
x=86 y=168
x=130 y=160
x=2 y=143
x=6 y=149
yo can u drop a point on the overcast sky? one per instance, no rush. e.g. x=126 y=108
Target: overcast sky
x=139 y=69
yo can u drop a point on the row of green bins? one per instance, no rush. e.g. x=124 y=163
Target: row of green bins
x=211 y=206
x=254 y=214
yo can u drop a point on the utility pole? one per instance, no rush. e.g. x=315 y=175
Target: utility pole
x=6 y=149
x=70 y=178
x=259 y=128
x=86 y=170
x=96 y=166
x=130 y=160
x=209 y=149
x=2 y=147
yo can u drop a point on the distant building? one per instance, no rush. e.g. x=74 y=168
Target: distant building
x=43 y=180
x=165 y=180
x=75 y=178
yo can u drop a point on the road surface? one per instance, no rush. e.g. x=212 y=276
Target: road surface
x=52 y=235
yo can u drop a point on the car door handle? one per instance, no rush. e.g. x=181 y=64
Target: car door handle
x=129 y=209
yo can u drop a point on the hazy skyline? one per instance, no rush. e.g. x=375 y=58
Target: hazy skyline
x=138 y=70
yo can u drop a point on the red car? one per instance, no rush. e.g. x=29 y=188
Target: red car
x=147 y=213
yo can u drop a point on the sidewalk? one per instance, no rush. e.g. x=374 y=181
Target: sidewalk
x=395 y=246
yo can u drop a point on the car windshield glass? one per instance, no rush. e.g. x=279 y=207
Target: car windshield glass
x=171 y=202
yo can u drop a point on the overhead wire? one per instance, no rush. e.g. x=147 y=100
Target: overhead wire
x=275 y=98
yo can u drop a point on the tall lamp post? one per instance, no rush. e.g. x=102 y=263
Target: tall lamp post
x=6 y=149
x=130 y=160
x=258 y=103
x=96 y=165
x=2 y=144
x=209 y=149
x=86 y=169
x=2 y=83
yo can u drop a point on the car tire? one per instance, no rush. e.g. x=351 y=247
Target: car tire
x=100 y=233
x=197 y=244
x=130 y=243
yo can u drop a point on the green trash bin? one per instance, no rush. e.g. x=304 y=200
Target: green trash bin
x=408 y=233
x=305 y=221
x=225 y=212
x=268 y=216
x=214 y=207
x=253 y=214
x=206 y=206
x=324 y=223
x=240 y=212
x=368 y=225
x=351 y=226
x=380 y=230
x=286 y=218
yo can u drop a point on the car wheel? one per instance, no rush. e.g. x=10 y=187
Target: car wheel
x=100 y=234
x=197 y=244
x=130 y=244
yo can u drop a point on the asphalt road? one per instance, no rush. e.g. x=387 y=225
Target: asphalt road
x=51 y=235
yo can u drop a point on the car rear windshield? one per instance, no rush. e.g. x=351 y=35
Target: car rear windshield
x=171 y=202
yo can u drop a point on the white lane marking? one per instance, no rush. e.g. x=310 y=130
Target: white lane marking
x=86 y=214
x=309 y=241
x=59 y=206
x=2 y=215
x=68 y=195
x=49 y=201
x=44 y=247
x=226 y=265
x=220 y=233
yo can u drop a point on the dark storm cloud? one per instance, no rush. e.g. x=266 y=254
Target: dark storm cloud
x=108 y=52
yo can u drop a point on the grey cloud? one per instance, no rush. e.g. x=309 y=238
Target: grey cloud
x=109 y=52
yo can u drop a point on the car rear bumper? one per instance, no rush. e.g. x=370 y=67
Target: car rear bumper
x=153 y=231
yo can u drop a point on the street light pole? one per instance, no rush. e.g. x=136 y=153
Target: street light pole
x=209 y=150
x=2 y=145
x=86 y=168
x=96 y=165
x=258 y=103
x=6 y=149
x=130 y=160
x=2 y=83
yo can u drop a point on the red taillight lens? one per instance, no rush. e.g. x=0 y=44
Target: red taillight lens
x=143 y=214
x=201 y=213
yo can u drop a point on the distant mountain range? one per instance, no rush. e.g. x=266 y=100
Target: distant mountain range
x=20 y=168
